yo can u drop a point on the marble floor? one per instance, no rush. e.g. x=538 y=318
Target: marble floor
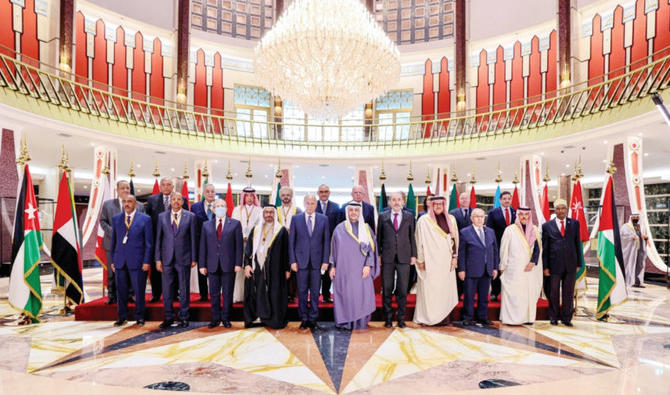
x=629 y=355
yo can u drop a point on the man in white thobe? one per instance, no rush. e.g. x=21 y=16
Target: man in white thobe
x=520 y=253
x=250 y=214
x=437 y=249
x=634 y=247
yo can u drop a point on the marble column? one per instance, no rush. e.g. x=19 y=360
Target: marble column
x=460 y=42
x=183 y=37
x=66 y=34
x=564 y=40
x=9 y=179
x=565 y=187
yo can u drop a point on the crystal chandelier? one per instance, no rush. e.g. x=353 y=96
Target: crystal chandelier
x=328 y=57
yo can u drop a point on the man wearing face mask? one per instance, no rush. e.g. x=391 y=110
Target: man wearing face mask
x=220 y=258
x=634 y=245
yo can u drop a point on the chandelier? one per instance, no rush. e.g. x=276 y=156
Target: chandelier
x=328 y=57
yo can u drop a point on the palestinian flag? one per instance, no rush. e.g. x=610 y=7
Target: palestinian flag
x=515 y=198
x=383 y=200
x=545 y=203
x=473 y=198
x=411 y=200
x=65 y=247
x=612 y=285
x=577 y=212
x=229 y=200
x=453 y=198
x=25 y=291
x=496 y=198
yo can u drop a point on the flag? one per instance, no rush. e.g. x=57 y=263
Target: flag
x=157 y=188
x=25 y=291
x=428 y=190
x=611 y=282
x=453 y=199
x=65 y=245
x=473 y=198
x=545 y=203
x=100 y=253
x=577 y=212
x=496 y=198
x=515 y=198
x=277 y=198
x=411 y=200
x=184 y=194
x=383 y=201
x=229 y=200
x=132 y=187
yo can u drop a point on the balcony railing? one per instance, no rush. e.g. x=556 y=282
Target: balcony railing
x=584 y=99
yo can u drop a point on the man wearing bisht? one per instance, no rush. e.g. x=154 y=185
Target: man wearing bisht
x=250 y=214
x=437 y=250
x=633 y=244
x=353 y=256
x=519 y=257
x=266 y=268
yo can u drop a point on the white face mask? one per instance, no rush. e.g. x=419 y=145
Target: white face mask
x=220 y=211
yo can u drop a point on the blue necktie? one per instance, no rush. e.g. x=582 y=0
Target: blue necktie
x=309 y=225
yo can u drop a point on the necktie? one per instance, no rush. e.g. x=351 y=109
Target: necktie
x=323 y=207
x=209 y=210
x=174 y=223
x=507 y=216
x=395 y=221
x=128 y=221
x=219 y=229
x=166 y=201
x=309 y=225
x=562 y=228
x=481 y=235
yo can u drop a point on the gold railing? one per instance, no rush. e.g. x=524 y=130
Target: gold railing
x=618 y=88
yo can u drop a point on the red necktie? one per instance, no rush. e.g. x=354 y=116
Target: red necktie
x=507 y=216
x=395 y=221
x=219 y=229
x=562 y=228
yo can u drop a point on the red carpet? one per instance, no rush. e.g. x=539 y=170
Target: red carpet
x=97 y=310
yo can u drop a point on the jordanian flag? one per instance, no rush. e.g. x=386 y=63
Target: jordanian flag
x=577 y=212
x=65 y=247
x=25 y=292
x=612 y=285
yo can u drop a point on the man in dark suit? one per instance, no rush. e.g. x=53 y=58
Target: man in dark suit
x=478 y=263
x=499 y=219
x=561 y=257
x=397 y=251
x=204 y=211
x=309 y=251
x=132 y=243
x=156 y=204
x=357 y=194
x=463 y=211
x=332 y=211
x=176 y=253
x=220 y=258
x=110 y=208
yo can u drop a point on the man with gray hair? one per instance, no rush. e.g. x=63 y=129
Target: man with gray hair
x=368 y=211
x=309 y=251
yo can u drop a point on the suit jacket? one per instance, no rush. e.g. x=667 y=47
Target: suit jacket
x=180 y=246
x=462 y=221
x=474 y=257
x=560 y=254
x=155 y=206
x=303 y=248
x=368 y=214
x=401 y=243
x=333 y=214
x=110 y=208
x=198 y=209
x=139 y=245
x=222 y=254
x=496 y=221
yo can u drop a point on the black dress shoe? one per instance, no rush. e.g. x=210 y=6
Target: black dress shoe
x=204 y=299
x=213 y=324
x=468 y=323
x=131 y=300
x=111 y=301
x=401 y=324
x=313 y=325
x=304 y=325
x=388 y=324
x=183 y=324
x=155 y=299
x=120 y=322
x=494 y=298
x=486 y=322
x=139 y=322
x=226 y=324
x=554 y=322
x=166 y=324
x=567 y=323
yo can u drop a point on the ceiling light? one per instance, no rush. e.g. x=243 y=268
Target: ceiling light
x=646 y=154
x=605 y=142
x=138 y=165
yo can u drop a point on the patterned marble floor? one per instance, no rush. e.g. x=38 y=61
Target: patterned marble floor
x=630 y=356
